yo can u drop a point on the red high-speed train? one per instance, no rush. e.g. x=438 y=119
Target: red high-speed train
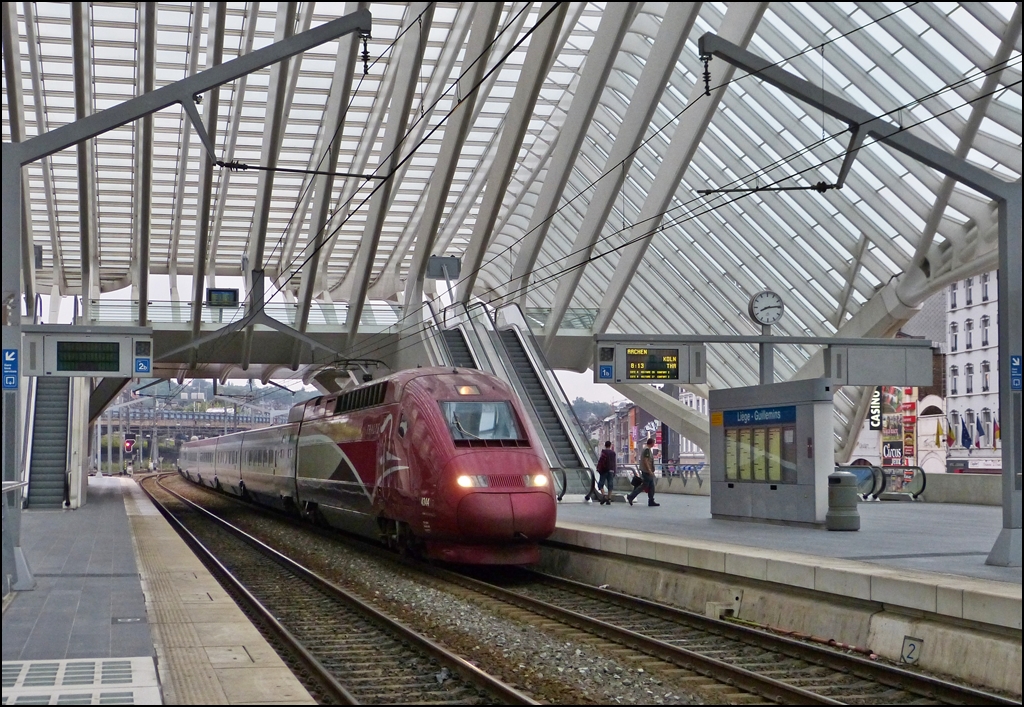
x=442 y=461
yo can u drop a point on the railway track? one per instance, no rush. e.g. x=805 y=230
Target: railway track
x=779 y=668
x=351 y=652
x=754 y=664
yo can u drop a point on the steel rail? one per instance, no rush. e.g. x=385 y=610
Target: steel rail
x=338 y=692
x=892 y=676
x=691 y=660
x=889 y=676
x=471 y=673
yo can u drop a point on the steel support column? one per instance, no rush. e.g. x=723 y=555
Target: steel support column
x=1007 y=548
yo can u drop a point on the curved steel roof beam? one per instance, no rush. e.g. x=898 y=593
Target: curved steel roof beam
x=657 y=70
x=740 y=22
x=410 y=62
x=87 y=220
x=276 y=117
x=485 y=24
x=249 y=22
x=143 y=220
x=612 y=30
x=386 y=283
x=59 y=277
x=16 y=115
x=273 y=126
x=211 y=108
x=323 y=184
x=470 y=193
x=182 y=171
x=915 y=283
x=539 y=55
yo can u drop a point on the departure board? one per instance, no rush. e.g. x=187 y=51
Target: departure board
x=88 y=356
x=652 y=364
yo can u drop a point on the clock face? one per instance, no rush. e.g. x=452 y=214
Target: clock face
x=765 y=308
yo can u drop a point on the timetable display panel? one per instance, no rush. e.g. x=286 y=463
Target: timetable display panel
x=760 y=444
x=647 y=364
x=88 y=356
x=641 y=361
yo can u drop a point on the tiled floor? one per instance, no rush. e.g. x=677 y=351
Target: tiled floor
x=88 y=602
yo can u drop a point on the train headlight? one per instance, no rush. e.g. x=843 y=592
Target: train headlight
x=540 y=480
x=466 y=481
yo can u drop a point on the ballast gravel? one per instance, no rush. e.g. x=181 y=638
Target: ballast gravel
x=533 y=659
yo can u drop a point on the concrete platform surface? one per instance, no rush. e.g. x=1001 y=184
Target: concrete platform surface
x=947 y=538
x=114 y=580
x=88 y=602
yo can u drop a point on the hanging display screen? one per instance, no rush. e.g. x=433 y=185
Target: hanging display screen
x=89 y=356
x=652 y=364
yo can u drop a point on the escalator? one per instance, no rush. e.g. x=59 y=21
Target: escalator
x=458 y=349
x=579 y=475
x=48 y=466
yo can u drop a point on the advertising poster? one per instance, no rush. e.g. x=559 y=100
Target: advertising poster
x=892 y=426
x=899 y=425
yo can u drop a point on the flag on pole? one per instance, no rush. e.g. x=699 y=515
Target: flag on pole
x=965 y=434
x=938 y=433
x=981 y=432
x=995 y=432
x=950 y=435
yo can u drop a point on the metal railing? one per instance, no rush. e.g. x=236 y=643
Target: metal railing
x=383 y=314
x=873 y=481
x=574 y=317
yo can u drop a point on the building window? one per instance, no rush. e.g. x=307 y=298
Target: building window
x=969 y=334
x=953 y=373
x=986 y=372
x=954 y=425
x=969 y=378
x=969 y=291
x=952 y=296
x=984 y=287
x=986 y=424
x=985 y=321
x=953 y=329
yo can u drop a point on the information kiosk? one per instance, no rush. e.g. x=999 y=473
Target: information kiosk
x=765 y=462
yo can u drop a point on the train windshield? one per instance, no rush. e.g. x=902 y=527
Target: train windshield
x=486 y=421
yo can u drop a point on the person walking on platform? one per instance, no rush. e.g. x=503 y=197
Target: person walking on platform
x=606 y=471
x=647 y=470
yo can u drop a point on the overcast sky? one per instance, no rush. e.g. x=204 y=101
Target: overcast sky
x=582 y=385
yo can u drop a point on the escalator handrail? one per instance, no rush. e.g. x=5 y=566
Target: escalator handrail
x=544 y=362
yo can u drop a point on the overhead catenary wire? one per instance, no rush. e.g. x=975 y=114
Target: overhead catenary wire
x=509 y=23
x=737 y=78
x=663 y=226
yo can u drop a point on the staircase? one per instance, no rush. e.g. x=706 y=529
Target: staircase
x=458 y=349
x=552 y=426
x=49 y=443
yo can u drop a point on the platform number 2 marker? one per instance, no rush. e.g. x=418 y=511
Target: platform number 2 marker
x=911 y=652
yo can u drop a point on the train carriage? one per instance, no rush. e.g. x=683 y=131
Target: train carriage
x=443 y=461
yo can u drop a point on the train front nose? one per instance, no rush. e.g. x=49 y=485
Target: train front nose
x=504 y=503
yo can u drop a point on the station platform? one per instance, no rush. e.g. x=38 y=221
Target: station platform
x=124 y=612
x=913 y=570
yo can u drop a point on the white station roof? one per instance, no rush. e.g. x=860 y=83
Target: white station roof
x=682 y=261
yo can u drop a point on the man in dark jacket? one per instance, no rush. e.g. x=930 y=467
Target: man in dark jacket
x=606 y=472
x=647 y=470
